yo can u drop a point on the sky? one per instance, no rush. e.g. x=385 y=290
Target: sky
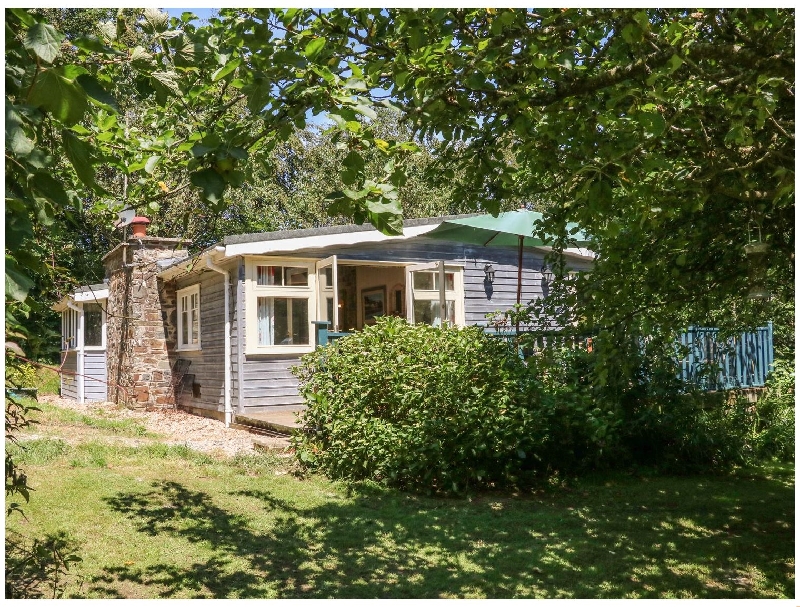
x=202 y=13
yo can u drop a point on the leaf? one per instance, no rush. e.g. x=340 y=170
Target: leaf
x=79 y=154
x=50 y=188
x=165 y=84
x=386 y=216
x=58 y=95
x=151 y=163
x=44 y=41
x=366 y=110
x=211 y=182
x=23 y=15
x=17 y=140
x=97 y=94
x=354 y=161
x=157 y=20
x=226 y=69
x=95 y=45
x=653 y=123
x=314 y=47
x=141 y=56
x=259 y=93
x=17 y=284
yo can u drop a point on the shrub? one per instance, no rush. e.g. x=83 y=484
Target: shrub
x=776 y=415
x=419 y=407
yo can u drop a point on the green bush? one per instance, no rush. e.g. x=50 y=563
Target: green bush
x=420 y=408
x=20 y=374
x=776 y=414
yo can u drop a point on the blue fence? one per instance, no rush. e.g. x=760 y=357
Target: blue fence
x=742 y=361
x=705 y=359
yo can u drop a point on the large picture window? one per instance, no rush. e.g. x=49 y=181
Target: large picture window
x=189 y=318
x=280 y=297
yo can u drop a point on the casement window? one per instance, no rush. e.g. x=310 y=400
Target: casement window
x=280 y=306
x=94 y=326
x=189 y=318
x=426 y=295
x=69 y=329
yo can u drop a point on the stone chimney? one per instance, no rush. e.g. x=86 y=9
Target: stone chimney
x=141 y=320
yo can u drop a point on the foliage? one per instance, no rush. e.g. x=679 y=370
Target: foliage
x=663 y=132
x=38 y=568
x=17 y=417
x=644 y=415
x=418 y=407
x=775 y=423
x=21 y=375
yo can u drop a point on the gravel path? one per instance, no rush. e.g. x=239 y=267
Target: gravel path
x=176 y=427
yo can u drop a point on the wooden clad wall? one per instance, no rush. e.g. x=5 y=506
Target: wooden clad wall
x=205 y=379
x=267 y=382
x=95 y=370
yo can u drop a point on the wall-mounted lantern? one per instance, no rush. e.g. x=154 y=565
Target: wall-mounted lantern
x=488 y=270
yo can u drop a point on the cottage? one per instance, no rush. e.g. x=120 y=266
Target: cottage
x=220 y=330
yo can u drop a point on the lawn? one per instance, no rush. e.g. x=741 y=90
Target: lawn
x=157 y=521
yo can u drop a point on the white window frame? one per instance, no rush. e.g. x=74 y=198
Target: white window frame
x=456 y=294
x=69 y=329
x=102 y=345
x=297 y=292
x=187 y=293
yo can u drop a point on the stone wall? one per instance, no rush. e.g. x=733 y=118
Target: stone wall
x=141 y=322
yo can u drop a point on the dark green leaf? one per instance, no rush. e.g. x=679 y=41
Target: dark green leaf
x=44 y=41
x=17 y=283
x=95 y=45
x=211 y=183
x=17 y=141
x=59 y=95
x=97 y=94
x=23 y=15
x=79 y=154
x=49 y=187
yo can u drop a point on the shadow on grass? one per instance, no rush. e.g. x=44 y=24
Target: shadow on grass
x=717 y=538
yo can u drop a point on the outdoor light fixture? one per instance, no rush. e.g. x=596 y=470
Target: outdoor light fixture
x=489 y=271
x=547 y=274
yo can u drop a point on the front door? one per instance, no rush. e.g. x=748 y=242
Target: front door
x=426 y=294
x=328 y=299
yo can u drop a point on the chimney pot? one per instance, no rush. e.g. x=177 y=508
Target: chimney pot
x=139 y=226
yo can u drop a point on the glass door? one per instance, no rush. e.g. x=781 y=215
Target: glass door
x=328 y=291
x=430 y=294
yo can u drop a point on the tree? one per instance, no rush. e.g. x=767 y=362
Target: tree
x=663 y=132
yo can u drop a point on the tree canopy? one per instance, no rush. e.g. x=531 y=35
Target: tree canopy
x=667 y=134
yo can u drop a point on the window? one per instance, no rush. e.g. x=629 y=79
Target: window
x=69 y=329
x=93 y=325
x=280 y=298
x=189 y=318
x=425 y=294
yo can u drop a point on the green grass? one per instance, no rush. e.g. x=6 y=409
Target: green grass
x=51 y=416
x=166 y=522
x=48 y=381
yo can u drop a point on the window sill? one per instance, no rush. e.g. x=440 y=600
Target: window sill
x=278 y=350
x=188 y=348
